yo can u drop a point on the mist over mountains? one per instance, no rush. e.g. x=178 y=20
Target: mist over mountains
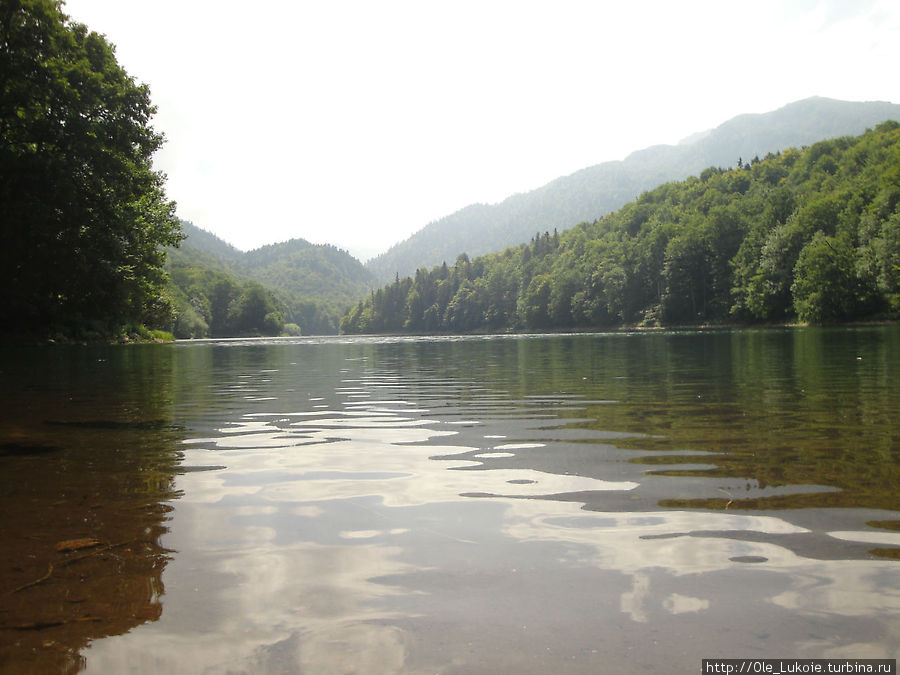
x=594 y=191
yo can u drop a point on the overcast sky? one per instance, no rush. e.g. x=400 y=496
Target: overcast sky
x=358 y=122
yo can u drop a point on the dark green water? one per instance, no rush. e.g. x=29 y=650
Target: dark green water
x=528 y=504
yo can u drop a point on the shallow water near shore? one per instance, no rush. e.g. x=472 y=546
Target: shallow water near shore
x=563 y=503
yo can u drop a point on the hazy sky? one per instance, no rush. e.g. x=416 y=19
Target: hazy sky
x=357 y=122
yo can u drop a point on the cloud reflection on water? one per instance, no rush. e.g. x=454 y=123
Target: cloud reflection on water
x=306 y=550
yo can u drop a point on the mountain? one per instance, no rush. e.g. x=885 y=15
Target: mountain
x=309 y=270
x=209 y=244
x=809 y=235
x=310 y=285
x=210 y=299
x=590 y=193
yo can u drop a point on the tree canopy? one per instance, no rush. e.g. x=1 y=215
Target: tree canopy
x=810 y=235
x=85 y=218
x=211 y=300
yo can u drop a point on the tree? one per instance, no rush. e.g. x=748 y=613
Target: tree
x=563 y=287
x=254 y=313
x=878 y=258
x=614 y=281
x=824 y=281
x=84 y=215
x=887 y=256
x=534 y=302
x=768 y=292
x=687 y=278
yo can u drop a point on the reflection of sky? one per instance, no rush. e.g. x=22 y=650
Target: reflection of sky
x=332 y=538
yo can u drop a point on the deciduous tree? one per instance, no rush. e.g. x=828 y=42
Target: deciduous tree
x=84 y=215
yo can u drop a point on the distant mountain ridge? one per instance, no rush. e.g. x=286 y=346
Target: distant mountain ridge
x=209 y=244
x=592 y=192
x=809 y=235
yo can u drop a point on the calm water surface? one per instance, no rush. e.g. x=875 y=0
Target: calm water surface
x=525 y=504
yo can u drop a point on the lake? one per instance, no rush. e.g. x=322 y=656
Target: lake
x=622 y=503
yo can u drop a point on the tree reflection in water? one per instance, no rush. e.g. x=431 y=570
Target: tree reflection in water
x=84 y=500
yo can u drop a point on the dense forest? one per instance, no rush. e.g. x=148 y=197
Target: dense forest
x=318 y=282
x=810 y=235
x=285 y=288
x=85 y=218
x=594 y=191
x=212 y=301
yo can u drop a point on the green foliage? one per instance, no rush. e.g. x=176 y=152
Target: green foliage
x=767 y=293
x=316 y=282
x=211 y=301
x=824 y=280
x=886 y=248
x=156 y=335
x=253 y=311
x=809 y=234
x=311 y=286
x=84 y=215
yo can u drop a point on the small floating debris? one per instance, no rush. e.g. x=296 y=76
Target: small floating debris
x=41 y=625
x=77 y=544
x=749 y=559
x=193 y=469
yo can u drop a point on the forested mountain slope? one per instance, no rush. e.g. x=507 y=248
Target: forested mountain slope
x=597 y=190
x=209 y=244
x=317 y=271
x=285 y=287
x=212 y=300
x=810 y=235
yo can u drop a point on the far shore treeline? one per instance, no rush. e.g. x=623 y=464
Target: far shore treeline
x=810 y=235
x=90 y=246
